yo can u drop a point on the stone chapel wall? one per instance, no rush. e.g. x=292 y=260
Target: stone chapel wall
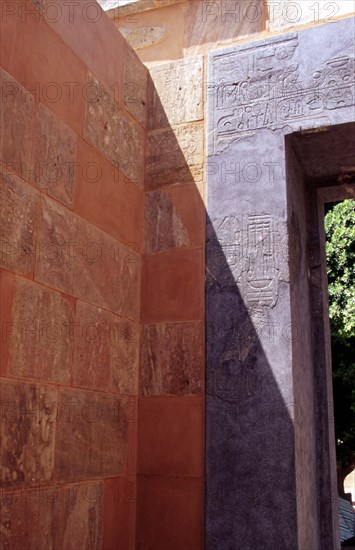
x=72 y=174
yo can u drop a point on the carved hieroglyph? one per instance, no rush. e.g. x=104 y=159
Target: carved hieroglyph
x=262 y=87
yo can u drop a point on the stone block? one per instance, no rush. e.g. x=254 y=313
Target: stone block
x=16 y=125
x=183 y=158
x=41 y=334
x=176 y=505
x=176 y=93
x=172 y=286
x=92 y=435
x=170 y=435
x=93 y=38
x=31 y=519
x=135 y=82
x=19 y=212
x=173 y=218
x=28 y=427
x=81 y=260
x=55 y=148
x=107 y=198
x=172 y=359
x=163 y=225
x=106 y=354
x=113 y=133
x=54 y=75
x=120 y=512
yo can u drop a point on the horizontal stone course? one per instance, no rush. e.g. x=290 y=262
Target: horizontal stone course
x=119 y=138
x=55 y=148
x=81 y=260
x=28 y=426
x=19 y=213
x=107 y=198
x=17 y=117
x=176 y=93
x=172 y=359
x=106 y=354
x=92 y=435
x=41 y=334
x=135 y=82
x=182 y=161
x=66 y=516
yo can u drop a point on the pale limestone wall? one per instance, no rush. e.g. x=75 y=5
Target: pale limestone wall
x=171 y=29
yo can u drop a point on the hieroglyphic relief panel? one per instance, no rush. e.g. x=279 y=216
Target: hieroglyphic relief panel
x=260 y=86
x=247 y=251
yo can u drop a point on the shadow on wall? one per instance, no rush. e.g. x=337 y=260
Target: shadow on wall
x=250 y=441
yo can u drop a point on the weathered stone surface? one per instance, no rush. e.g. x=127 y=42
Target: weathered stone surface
x=124 y=8
x=81 y=260
x=135 y=81
x=261 y=92
x=106 y=354
x=118 y=138
x=55 y=148
x=176 y=93
x=172 y=286
x=209 y=23
x=287 y=14
x=28 y=425
x=182 y=161
x=172 y=359
x=163 y=225
x=16 y=124
x=41 y=334
x=143 y=37
x=92 y=435
x=31 y=519
x=19 y=209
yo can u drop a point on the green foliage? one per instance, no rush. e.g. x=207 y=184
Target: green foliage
x=340 y=248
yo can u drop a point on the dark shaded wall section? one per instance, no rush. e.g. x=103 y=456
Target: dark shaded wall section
x=269 y=441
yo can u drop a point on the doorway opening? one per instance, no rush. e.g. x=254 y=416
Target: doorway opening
x=320 y=171
x=340 y=253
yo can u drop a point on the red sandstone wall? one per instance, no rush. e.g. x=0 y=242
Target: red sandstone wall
x=73 y=111
x=102 y=287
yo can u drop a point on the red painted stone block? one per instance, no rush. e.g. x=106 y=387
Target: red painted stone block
x=114 y=133
x=27 y=433
x=120 y=496
x=170 y=436
x=107 y=198
x=16 y=125
x=19 y=213
x=106 y=354
x=7 y=283
x=172 y=286
x=81 y=260
x=41 y=339
x=55 y=147
x=92 y=435
x=172 y=359
x=173 y=218
x=169 y=513
x=54 y=75
x=89 y=32
x=66 y=516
